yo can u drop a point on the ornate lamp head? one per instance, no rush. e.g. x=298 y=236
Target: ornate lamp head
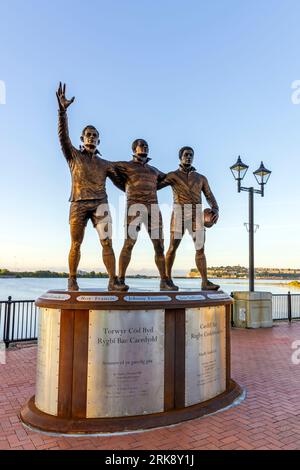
x=262 y=174
x=239 y=169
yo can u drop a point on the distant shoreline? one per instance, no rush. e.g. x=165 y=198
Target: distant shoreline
x=236 y=273
x=148 y=277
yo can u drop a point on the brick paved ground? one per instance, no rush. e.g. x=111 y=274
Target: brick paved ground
x=269 y=418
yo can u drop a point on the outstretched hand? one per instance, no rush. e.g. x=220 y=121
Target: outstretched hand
x=63 y=102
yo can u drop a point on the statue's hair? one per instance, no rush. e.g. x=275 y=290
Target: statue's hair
x=89 y=127
x=135 y=143
x=183 y=149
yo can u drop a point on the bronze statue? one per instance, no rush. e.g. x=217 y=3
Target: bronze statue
x=187 y=186
x=141 y=180
x=88 y=197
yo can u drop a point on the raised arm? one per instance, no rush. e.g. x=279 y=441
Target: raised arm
x=63 y=130
x=210 y=199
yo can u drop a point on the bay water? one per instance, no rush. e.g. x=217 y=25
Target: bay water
x=32 y=288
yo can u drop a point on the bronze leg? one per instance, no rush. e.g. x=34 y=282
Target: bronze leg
x=104 y=231
x=77 y=234
x=171 y=254
x=200 y=259
x=159 y=257
x=108 y=257
x=125 y=256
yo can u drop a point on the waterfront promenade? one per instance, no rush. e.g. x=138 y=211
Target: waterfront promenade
x=269 y=417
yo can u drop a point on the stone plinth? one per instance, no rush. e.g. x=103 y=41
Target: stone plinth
x=252 y=309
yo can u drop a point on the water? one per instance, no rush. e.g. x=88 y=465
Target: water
x=31 y=288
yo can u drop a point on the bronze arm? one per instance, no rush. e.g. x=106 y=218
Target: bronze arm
x=162 y=181
x=63 y=134
x=209 y=196
x=116 y=177
x=63 y=129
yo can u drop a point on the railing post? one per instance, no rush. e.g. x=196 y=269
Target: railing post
x=289 y=306
x=231 y=312
x=7 y=322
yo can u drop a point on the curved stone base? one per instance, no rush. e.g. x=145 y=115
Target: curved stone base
x=117 y=362
x=36 y=419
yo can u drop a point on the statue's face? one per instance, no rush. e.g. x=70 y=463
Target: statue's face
x=142 y=149
x=90 y=139
x=187 y=157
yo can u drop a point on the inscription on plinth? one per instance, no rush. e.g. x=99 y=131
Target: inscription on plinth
x=125 y=363
x=46 y=396
x=205 y=367
x=97 y=298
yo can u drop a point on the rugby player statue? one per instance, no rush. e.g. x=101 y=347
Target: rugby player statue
x=188 y=185
x=88 y=197
x=141 y=184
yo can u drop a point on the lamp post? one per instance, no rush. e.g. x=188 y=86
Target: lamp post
x=239 y=170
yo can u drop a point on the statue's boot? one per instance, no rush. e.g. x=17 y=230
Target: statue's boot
x=72 y=283
x=171 y=283
x=166 y=284
x=116 y=284
x=209 y=286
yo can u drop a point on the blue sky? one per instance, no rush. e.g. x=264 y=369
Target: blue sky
x=216 y=75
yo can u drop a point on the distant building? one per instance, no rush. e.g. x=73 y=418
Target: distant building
x=240 y=272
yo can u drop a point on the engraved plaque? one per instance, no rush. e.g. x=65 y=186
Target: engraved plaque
x=205 y=366
x=46 y=396
x=97 y=298
x=147 y=298
x=125 y=363
x=61 y=297
x=190 y=297
x=218 y=296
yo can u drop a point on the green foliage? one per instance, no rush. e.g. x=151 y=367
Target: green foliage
x=4 y=272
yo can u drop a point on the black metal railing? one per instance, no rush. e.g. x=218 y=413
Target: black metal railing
x=18 y=321
x=286 y=306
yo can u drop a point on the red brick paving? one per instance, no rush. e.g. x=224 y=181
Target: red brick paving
x=269 y=418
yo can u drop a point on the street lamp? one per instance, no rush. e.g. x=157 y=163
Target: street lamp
x=262 y=175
